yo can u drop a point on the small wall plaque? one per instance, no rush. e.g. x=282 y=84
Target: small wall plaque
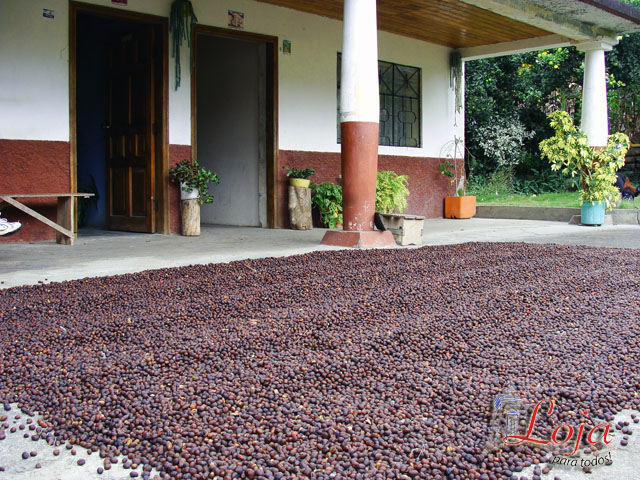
x=48 y=13
x=286 y=47
x=236 y=19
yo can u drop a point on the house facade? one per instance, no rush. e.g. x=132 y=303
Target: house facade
x=91 y=99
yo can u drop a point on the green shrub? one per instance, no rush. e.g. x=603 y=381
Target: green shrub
x=503 y=141
x=543 y=181
x=327 y=197
x=499 y=182
x=535 y=182
x=391 y=192
x=568 y=151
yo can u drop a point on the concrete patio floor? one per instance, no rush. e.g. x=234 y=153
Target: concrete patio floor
x=100 y=252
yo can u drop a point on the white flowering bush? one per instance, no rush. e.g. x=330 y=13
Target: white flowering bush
x=503 y=140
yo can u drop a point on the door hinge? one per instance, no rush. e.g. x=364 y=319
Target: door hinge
x=155 y=205
x=154 y=129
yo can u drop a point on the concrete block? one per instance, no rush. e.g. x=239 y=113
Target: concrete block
x=406 y=229
x=626 y=217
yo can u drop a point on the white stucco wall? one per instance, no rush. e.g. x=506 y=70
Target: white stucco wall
x=34 y=72
x=308 y=77
x=34 y=78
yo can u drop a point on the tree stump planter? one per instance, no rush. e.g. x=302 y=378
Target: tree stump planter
x=406 y=229
x=190 y=210
x=300 y=208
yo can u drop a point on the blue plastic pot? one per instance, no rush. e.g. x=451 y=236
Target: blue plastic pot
x=592 y=214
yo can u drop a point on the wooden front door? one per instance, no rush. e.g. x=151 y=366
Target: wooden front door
x=129 y=132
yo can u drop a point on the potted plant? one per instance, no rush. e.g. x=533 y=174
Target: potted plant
x=327 y=197
x=568 y=151
x=194 y=180
x=391 y=201
x=299 y=178
x=194 y=183
x=458 y=205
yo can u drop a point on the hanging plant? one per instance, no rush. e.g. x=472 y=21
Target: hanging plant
x=181 y=23
x=455 y=77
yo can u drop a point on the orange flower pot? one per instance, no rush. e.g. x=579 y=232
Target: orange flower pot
x=460 y=207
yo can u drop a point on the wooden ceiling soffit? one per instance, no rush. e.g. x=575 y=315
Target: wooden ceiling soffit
x=452 y=23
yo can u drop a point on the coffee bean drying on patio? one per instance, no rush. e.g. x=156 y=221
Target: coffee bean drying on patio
x=341 y=364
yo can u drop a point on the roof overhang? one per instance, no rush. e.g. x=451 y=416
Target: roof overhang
x=483 y=28
x=570 y=22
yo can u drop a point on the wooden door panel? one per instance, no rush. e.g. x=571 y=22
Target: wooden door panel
x=119 y=108
x=138 y=192
x=119 y=188
x=130 y=86
x=140 y=146
x=138 y=104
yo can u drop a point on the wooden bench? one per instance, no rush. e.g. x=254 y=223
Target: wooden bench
x=66 y=215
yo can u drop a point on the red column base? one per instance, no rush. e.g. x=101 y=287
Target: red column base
x=365 y=239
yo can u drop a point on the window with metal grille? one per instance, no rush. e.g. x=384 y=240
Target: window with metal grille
x=400 y=103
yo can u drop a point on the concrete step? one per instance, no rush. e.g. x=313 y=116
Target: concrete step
x=554 y=214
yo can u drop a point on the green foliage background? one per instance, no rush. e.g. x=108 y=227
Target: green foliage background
x=524 y=89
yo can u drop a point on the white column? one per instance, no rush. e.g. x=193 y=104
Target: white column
x=595 y=116
x=359 y=114
x=359 y=97
x=359 y=124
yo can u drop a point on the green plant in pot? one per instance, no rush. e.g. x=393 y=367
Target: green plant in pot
x=568 y=151
x=391 y=192
x=299 y=178
x=327 y=198
x=194 y=183
x=457 y=205
x=391 y=201
x=194 y=180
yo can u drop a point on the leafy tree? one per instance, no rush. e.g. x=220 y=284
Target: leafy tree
x=623 y=70
x=525 y=88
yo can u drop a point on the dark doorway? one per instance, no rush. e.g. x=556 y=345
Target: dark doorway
x=118 y=113
x=234 y=102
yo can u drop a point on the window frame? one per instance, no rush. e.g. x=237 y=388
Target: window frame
x=395 y=88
